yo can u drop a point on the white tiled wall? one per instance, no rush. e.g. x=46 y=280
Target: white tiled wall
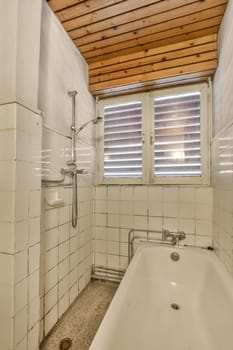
x=222 y=149
x=19 y=224
x=66 y=253
x=20 y=186
x=117 y=209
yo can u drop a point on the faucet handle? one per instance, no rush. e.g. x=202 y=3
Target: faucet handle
x=70 y=163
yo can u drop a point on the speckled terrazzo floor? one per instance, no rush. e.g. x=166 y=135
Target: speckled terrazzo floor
x=81 y=322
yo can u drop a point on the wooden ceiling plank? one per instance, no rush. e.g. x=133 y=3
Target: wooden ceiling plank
x=136 y=28
x=171 y=24
x=87 y=7
x=154 y=51
x=154 y=59
x=158 y=66
x=132 y=14
x=106 y=12
x=194 y=67
x=155 y=45
x=57 y=5
x=153 y=40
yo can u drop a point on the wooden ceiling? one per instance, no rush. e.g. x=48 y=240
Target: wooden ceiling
x=136 y=45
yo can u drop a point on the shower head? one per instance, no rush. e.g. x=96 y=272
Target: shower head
x=93 y=121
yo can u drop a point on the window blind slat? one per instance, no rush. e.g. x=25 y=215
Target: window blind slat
x=177 y=135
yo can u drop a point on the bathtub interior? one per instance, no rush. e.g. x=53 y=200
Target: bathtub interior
x=141 y=314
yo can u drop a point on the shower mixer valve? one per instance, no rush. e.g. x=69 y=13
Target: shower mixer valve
x=72 y=171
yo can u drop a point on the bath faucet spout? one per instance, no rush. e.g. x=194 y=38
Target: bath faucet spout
x=174 y=237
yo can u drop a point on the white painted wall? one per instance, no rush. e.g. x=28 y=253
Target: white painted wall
x=222 y=148
x=66 y=253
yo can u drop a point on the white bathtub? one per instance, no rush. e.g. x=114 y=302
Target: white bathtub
x=140 y=316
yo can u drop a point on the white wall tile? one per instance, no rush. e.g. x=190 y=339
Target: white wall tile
x=34 y=230
x=33 y=312
x=63 y=250
x=20 y=265
x=34 y=258
x=187 y=210
x=33 y=341
x=114 y=193
x=6 y=268
x=127 y=207
x=21 y=235
x=21 y=290
x=63 y=286
x=170 y=210
x=63 y=304
x=63 y=233
x=7 y=143
x=51 y=259
x=6 y=237
x=8 y=115
x=170 y=194
x=7 y=201
x=50 y=319
x=51 y=278
x=187 y=195
x=21 y=205
x=101 y=193
x=204 y=211
x=187 y=225
x=63 y=268
x=33 y=285
x=20 y=325
x=6 y=330
x=140 y=208
x=51 y=299
x=51 y=218
x=113 y=206
x=127 y=193
x=7 y=175
x=140 y=193
x=155 y=194
x=34 y=203
x=6 y=300
x=203 y=228
x=51 y=238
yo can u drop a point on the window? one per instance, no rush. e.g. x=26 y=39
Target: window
x=159 y=137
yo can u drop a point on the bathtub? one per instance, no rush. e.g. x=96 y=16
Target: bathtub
x=162 y=304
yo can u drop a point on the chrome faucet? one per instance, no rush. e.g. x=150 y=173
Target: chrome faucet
x=175 y=237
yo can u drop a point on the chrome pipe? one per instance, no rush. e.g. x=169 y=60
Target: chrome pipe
x=73 y=94
x=74 y=200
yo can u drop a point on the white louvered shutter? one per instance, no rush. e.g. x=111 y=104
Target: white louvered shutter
x=123 y=140
x=177 y=141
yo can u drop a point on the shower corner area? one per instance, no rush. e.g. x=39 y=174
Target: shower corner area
x=68 y=166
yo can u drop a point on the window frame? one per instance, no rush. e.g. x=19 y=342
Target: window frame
x=147 y=99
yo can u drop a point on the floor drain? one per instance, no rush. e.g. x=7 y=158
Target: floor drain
x=175 y=306
x=65 y=344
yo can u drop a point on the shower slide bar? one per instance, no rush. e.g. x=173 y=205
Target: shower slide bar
x=167 y=238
